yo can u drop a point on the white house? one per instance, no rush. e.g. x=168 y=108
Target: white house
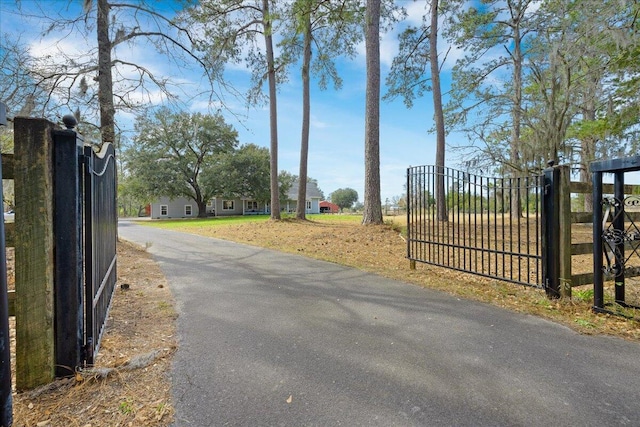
x=186 y=208
x=314 y=196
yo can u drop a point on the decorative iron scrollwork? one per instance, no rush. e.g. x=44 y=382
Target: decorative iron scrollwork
x=632 y=201
x=611 y=202
x=614 y=238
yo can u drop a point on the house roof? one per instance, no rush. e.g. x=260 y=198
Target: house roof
x=313 y=192
x=326 y=203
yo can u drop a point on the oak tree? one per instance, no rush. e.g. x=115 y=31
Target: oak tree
x=172 y=154
x=344 y=197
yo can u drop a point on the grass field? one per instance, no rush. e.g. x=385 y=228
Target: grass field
x=234 y=220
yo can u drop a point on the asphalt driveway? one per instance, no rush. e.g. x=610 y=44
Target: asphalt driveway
x=272 y=339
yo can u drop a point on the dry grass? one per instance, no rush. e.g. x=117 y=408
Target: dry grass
x=129 y=386
x=142 y=318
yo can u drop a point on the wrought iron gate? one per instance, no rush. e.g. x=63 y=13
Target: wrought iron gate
x=85 y=225
x=480 y=232
x=100 y=241
x=616 y=236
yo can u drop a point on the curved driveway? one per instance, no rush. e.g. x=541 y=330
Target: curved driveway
x=272 y=339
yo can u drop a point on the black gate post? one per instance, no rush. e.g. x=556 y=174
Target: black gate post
x=412 y=262
x=598 y=286
x=69 y=320
x=618 y=225
x=6 y=399
x=551 y=232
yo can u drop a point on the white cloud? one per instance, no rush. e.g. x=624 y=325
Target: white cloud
x=318 y=124
x=415 y=12
x=388 y=48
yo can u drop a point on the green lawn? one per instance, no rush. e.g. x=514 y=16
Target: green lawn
x=237 y=220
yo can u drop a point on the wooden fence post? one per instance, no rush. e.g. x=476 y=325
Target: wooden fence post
x=556 y=246
x=34 y=250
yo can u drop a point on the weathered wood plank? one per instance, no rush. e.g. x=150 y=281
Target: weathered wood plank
x=580 y=187
x=34 y=310
x=587 y=217
x=581 y=279
x=581 y=217
x=587 y=248
x=587 y=187
x=587 y=278
x=634 y=216
x=581 y=248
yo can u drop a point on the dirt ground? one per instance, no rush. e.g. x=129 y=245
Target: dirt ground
x=129 y=385
x=141 y=329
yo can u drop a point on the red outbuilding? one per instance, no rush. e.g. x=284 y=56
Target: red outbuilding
x=328 y=207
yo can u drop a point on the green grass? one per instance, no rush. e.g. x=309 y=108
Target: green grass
x=205 y=222
x=222 y=221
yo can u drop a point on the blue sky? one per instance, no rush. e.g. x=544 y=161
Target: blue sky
x=336 y=152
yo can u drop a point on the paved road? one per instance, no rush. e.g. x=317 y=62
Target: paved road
x=269 y=339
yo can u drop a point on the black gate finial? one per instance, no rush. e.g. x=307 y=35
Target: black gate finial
x=70 y=121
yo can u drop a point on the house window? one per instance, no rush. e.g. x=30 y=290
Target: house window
x=164 y=210
x=210 y=203
x=308 y=205
x=252 y=205
x=187 y=210
x=228 y=205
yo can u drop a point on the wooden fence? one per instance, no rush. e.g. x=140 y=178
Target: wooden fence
x=574 y=231
x=31 y=169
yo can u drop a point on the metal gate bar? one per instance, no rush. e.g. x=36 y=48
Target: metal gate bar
x=480 y=234
x=615 y=229
x=6 y=397
x=67 y=229
x=100 y=243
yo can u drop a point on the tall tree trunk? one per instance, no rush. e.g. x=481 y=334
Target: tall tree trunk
x=306 y=112
x=273 y=111
x=105 y=79
x=438 y=113
x=202 y=208
x=372 y=200
x=516 y=114
x=588 y=146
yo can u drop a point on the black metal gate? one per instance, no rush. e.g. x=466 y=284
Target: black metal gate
x=85 y=226
x=481 y=233
x=6 y=398
x=100 y=241
x=616 y=236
